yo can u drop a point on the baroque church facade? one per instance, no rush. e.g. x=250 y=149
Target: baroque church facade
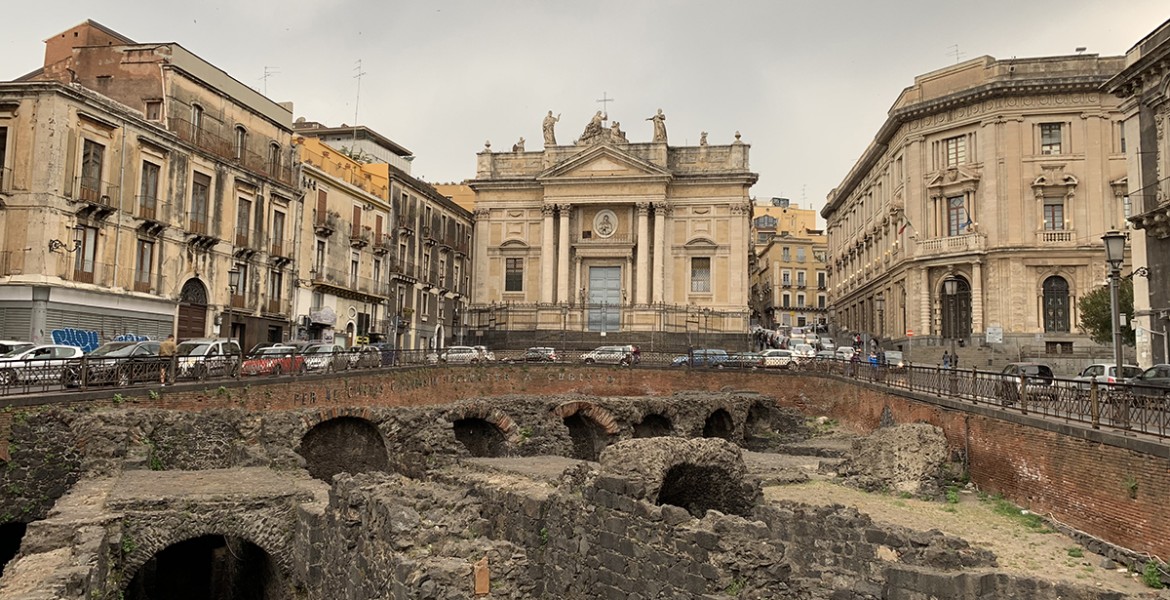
x=606 y=237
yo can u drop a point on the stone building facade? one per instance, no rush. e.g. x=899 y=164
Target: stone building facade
x=386 y=258
x=1000 y=174
x=136 y=178
x=606 y=236
x=1144 y=91
x=789 y=275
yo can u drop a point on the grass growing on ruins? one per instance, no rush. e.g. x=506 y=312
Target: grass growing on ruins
x=1034 y=522
x=1152 y=575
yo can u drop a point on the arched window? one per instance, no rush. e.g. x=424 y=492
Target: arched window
x=1056 y=305
x=241 y=141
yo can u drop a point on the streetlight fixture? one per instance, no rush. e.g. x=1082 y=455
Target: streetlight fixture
x=234 y=279
x=1114 y=256
x=78 y=233
x=951 y=289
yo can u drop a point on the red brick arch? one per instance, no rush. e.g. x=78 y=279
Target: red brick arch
x=495 y=416
x=593 y=412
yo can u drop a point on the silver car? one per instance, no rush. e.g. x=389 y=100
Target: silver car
x=609 y=355
x=46 y=362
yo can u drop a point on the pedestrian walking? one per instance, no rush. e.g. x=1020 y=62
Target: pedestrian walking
x=955 y=360
x=166 y=352
x=946 y=360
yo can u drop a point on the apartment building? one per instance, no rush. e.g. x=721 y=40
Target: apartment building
x=143 y=191
x=976 y=213
x=789 y=274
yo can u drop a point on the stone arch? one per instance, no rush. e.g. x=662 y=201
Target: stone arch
x=484 y=431
x=758 y=422
x=343 y=443
x=209 y=566
x=654 y=425
x=270 y=529
x=590 y=427
x=11 y=534
x=719 y=424
x=695 y=474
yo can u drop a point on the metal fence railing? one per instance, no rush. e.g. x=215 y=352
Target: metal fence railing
x=1121 y=406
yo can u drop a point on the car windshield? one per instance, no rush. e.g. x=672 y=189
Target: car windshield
x=195 y=349
x=114 y=349
x=17 y=349
x=1128 y=372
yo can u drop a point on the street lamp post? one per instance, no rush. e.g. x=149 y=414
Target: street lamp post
x=951 y=289
x=1114 y=256
x=880 y=303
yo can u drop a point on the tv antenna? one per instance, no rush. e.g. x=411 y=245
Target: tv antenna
x=268 y=72
x=958 y=54
x=356 y=100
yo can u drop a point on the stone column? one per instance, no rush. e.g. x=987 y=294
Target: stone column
x=659 y=251
x=548 y=249
x=479 y=277
x=641 y=288
x=40 y=316
x=977 y=298
x=564 y=294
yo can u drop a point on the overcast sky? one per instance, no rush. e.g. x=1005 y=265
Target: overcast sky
x=807 y=83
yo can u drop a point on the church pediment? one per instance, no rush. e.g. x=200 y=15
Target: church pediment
x=953 y=176
x=603 y=161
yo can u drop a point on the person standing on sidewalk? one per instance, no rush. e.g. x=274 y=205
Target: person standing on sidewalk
x=166 y=351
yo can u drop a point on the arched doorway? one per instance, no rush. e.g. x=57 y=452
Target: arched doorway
x=1056 y=305
x=192 y=310
x=343 y=444
x=956 y=311
x=210 y=566
x=719 y=424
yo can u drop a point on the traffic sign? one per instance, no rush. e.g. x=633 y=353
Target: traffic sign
x=909 y=333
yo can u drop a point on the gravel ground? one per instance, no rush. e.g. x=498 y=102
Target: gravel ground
x=1019 y=549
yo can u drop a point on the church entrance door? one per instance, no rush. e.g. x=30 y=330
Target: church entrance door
x=605 y=295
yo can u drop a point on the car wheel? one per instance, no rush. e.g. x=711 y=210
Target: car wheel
x=122 y=377
x=720 y=366
x=589 y=361
x=200 y=372
x=791 y=366
x=277 y=370
x=7 y=377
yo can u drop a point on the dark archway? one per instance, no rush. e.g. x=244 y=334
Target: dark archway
x=699 y=488
x=1056 y=305
x=589 y=438
x=653 y=425
x=719 y=425
x=211 y=566
x=344 y=444
x=480 y=437
x=757 y=427
x=11 y=535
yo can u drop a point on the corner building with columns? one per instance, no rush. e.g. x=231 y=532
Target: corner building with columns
x=607 y=241
x=999 y=175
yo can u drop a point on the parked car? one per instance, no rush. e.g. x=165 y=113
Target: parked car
x=7 y=346
x=326 y=358
x=120 y=363
x=461 y=355
x=779 y=359
x=1034 y=379
x=537 y=355
x=1153 y=382
x=46 y=362
x=845 y=352
x=201 y=358
x=742 y=360
x=610 y=355
x=805 y=350
x=274 y=360
x=364 y=357
x=1105 y=373
x=485 y=354
x=700 y=357
x=823 y=355
x=827 y=344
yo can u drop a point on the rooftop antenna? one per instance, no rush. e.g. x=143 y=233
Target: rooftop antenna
x=357 y=99
x=268 y=72
x=958 y=54
x=605 y=100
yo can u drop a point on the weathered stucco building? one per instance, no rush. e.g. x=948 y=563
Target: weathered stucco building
x=1144 y=89
x=136 y=178
x=999 y=174
x=608 y=236
x=789 y=277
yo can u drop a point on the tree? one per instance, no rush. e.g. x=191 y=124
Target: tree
x=1097 y=315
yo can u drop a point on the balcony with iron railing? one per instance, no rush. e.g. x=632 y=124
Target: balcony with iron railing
x=198 y=224
x=95 y=191
x=279 y=306
x=359 y=237
x=245 y=238
x=278 y=247
x=403 y=267
x=142 y=280
x=89 y=271
x=327 y=223
x=345 y=280
x=407 y=222
x=383 y=243
x=147 y=208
